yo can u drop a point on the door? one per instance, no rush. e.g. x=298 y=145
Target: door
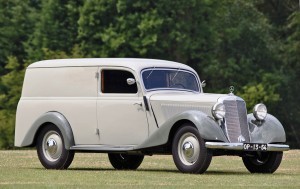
x=121 y=115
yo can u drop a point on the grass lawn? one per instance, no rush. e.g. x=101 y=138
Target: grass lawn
x=22 y=169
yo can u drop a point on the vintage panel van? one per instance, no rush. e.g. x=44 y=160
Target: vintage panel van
x=129 y=108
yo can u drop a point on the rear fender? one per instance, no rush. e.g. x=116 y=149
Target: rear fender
x=50 y=117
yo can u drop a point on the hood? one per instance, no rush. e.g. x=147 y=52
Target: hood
x=167 y=105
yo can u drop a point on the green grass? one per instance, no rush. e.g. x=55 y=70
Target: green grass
x=22 y=169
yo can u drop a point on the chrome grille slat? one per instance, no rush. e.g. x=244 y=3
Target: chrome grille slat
x=236 y=120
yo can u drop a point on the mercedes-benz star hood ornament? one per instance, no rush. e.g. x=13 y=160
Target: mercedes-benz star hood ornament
x=231 y=90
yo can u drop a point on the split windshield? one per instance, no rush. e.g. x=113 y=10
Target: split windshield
x=158 y=78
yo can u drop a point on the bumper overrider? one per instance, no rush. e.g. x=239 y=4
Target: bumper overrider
x=242 y=147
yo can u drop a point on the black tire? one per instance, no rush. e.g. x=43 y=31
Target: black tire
x=51 y=150
x=125 y=161
x=263 y=162
x=189 y=152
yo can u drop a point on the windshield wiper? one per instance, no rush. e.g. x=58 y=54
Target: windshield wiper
x=150 y=72
x=175 y=74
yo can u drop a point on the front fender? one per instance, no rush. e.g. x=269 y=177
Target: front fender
x=268 y=131
x=51 y=117
x=207 y=127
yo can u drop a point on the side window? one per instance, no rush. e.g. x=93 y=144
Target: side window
x=115 y=81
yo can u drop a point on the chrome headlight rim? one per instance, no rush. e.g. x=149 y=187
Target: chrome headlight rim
x=260 y=112
x=218 y=111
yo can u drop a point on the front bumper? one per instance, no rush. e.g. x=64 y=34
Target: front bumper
x=240 y=146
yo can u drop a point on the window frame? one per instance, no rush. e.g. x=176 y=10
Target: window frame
x=100 y=93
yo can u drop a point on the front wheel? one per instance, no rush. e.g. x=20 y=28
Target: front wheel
x=125 y=161
x=189 y=152
x=263 y=162
x=51 y=150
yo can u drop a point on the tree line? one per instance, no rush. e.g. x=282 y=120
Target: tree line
x=252 y=45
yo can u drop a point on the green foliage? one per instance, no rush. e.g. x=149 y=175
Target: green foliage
x=266 y=92
x=290 y=109
x=55 y=29
x=7 y=129
x=130 y=32
x=246 y=47
x=75 y=53
x=254 y=94
x=16 y=23
x=11 y=91
x=12 y=84
x=175 y=30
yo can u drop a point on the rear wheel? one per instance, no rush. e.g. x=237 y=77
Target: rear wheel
x=125 y=161
x=189 y=152
x=51 y=150
x=263 y=162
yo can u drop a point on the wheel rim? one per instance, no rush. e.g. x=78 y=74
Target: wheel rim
x=52 y=146
x=188 y=149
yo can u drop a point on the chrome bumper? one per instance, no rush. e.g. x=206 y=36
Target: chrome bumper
x=239 y=146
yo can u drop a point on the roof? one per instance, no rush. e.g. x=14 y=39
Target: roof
x=133 y=63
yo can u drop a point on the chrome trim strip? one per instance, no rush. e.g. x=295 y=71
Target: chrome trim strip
x=239 y=146
x=103 y=148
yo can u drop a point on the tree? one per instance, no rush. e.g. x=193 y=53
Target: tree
x=56 y=28
x=16 y=21
x=289 y=108
x=9 y=97
x=284 y=15
x=175 y=30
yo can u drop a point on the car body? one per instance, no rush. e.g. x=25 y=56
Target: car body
x=129 y=108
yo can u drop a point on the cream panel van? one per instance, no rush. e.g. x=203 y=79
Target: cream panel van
x=129 y=108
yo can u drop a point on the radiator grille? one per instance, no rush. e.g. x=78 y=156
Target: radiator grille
x=236 y=121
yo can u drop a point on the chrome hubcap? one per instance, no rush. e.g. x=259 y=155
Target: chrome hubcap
x=188 y=148
x=52 y=146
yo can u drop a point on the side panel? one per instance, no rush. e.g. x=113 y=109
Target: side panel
x=122 y=121
x=80 y=113
x=71 y=91
x=268 y=131
x=57 y=119
x=60 y=82
x=208 y=129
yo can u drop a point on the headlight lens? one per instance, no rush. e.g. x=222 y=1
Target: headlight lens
x=260 y=111
x=218 y=111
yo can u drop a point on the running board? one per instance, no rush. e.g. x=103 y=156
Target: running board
x=103 y=148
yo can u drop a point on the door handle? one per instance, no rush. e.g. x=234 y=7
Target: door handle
x=138 y=103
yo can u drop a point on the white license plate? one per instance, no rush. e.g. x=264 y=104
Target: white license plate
x=255 y=147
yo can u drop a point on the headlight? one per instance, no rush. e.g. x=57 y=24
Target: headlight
x=260 y=111
x=218 y=111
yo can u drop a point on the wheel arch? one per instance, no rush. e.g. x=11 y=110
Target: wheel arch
x=58 y=120
x=177 y=126
x=207 y=127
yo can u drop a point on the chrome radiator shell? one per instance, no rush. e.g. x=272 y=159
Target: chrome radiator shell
x=236 y=125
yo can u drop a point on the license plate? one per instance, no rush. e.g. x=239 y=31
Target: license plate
x=255 y=147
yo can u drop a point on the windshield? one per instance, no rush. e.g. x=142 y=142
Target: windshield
x=158 y=78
